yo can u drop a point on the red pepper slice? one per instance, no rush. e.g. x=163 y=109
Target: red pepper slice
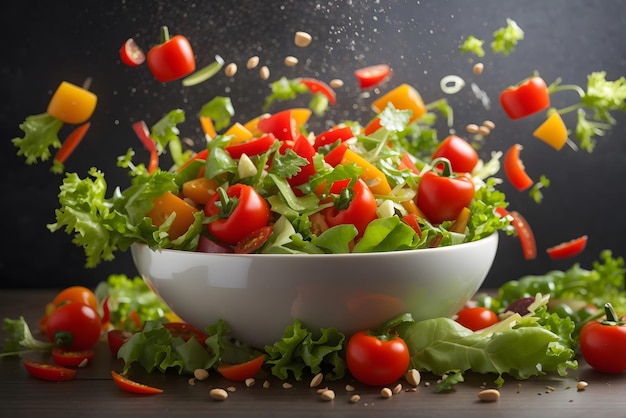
x=48 y=371
x=524 y=232
x=71 y=142
x=131 y=386
x=568 y=249
x=525 y=99
x=333 y=135
x=282 y=124
x=142 y=132
x=251 y=147
x=317 y=86
x=514 y=169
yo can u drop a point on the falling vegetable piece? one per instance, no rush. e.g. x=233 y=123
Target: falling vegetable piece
x=72 y=104
x=318 y=86
x=372 y=75
x=527 y=98
x=172 y=59
x=205 y=73
x=523 y=230
x=142 y=132
x=131 y=54
x=514 y=169
x=552 y=131
x=568 y=249
x=69 y=145
x=403 y=97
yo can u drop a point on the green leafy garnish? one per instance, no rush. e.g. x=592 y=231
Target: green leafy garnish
x=505 y=39
x=20 y=339
x=40 y=134
x=474 y=45
x=220 y=110
x=535 y=192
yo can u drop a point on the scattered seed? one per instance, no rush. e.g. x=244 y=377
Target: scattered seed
x=355 y=398
x=489 y=124
x=266 y=384
x=192 y=381
x=489 y=395
x=336 y=83
x=83 y=363
x=411 y=389
x=426 y=383
x=350 y=388
x=478 y=68
x=264 y=72
x=328 y=395
x=291 y=61
x=287 y=385
x=218 y=394
x=317 y=380
x=413 y=377
x=302 y=39
x=230 y=70
x=231 y=389
x=252 y=62
x=397 y=389
x=200 y=374
x=386 y=393
x=322 y=389
x=582 y=385
x=472 y=128
x=483 y=130
x=250 y=382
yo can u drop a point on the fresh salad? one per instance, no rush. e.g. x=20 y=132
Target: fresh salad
x=273 y=185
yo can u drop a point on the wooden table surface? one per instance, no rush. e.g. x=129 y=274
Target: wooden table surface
x=92 y=393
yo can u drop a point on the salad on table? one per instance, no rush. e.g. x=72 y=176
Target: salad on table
x=272 y=185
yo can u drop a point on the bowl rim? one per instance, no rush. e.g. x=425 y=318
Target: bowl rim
x=486 y=240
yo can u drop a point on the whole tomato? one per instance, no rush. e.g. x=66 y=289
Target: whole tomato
x=242 y=210
x=442 y=197
x=377 y=360
x=356 y=207
x=603 y=343
x=74 y=326
x=462 y=156
x=476 y=318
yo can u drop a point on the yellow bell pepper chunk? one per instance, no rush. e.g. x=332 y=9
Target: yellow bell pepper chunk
x=208 y=127
x=239 y=132
x=301 y=115
x=552 y=131
x=371 y=175
x=72 y=104
x=403 y=97
x=167 y=204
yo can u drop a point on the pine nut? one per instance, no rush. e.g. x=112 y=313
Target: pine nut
x=266 y=384
x=489 y=395
x=230 y=70
x=317 y=379
x=264 y=72
x=414 y=377
x=350 y=388
x=302 y=39
x=397 y=389
x=287 y=385
x=336 y=83
x=478 y=68
x=252 y=62
x=582 y=385
x=489 y=124
x=250 y=382
x=291 y=61
x=386 y=393
x=483 y=130
x=328 y=395
x=472 y=128
x=218 y=394
x=355 y=398
x=200 y=374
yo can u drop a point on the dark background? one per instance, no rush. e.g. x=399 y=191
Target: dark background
x=45 y=43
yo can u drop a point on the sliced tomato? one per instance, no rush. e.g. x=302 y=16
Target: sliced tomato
x=131 y=386
x=48 y=371
x=116 y=338
x=242 y=371
x=524 y=232
x=514 y=169
x=372 y=75
x=317 y=86
x=131 y=54
x=186 y=332
x=568 y=248
x=254 y=240
x=251 y=147
x=70 y=358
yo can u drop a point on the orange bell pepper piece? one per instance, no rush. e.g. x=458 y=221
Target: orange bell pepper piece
x=552 y=131
x=167 y=204
x=200 y=190
x=371 y=175
x=208 y=127
x=239 y=132
x=72 y=104
x=403 y=97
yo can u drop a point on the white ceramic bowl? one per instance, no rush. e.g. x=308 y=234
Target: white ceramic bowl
x=259 y=295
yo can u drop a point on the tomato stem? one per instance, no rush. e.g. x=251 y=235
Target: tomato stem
x=446 y=166
x=611 y=316
x=165 y=34
x=63 y=338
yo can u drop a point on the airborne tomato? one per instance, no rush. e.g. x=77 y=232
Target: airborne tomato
x=525 y=99
x=131 y=54
x=372 y=75
x=603 y=343
x=356 y=207
x=514 y=169
x=476 y=318
x=74 y=326
x=524 y=232
x=172 y=59
x=318 y=86
x=443 y=197
x=568 y=249
x=462 y=156
x=377 y=360
x=243 y=210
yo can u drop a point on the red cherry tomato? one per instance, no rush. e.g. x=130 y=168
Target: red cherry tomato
x=131 y=386
x=318 y=86
x=524 y=232
x=376 y=361
x=568 y=249
x=372 y=75
x=48 y=371
x=514 y=169
x=172 y=59
x=250 y=213
x=525 y=99
x=69 y=358
x=603 y=343
x=186 y=332
x=131 y=54
x=443 y=197
x=254 y=240
x=74 y=326
x=116 y=338
x=462 y=156
x=476 y=318
x=358 y=210
x=252 y=147
x=243 y=371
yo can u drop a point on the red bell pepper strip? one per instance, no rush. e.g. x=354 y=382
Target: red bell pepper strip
x=142 y=132
x=71 y=142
